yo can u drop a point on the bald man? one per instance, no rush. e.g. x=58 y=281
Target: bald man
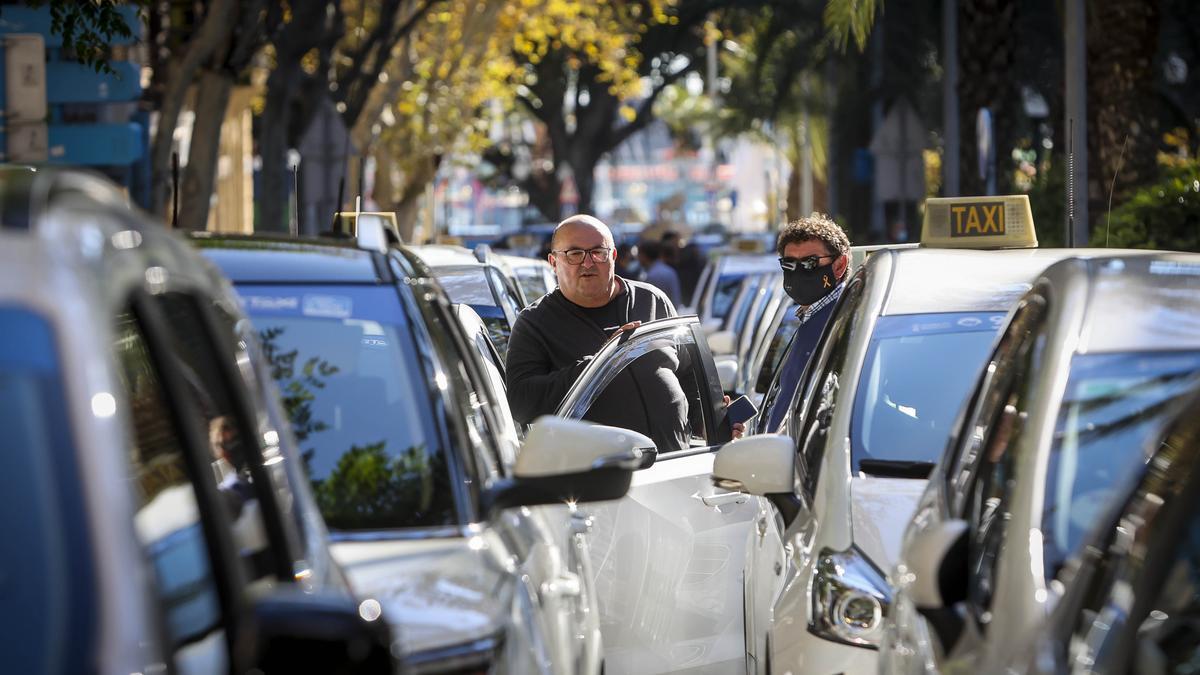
x=554 y=337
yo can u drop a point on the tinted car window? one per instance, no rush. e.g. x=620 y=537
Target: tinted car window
x=737 y=322
x=167 y=520
x=46 y=585
x=347 y=365
x=470 y=287
x=919 y=370
x=725 y=293
x=778 y=347
x=1115 y=405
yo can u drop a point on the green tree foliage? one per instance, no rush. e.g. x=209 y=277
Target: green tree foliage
x=87 y=27
x=1162 y=215
x=297 y=384
x=368 y=489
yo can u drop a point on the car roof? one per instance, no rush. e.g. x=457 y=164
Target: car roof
x=928 y=280
x=523 y=261
x=747 y=264
x=1142 y=303
x=445 y=255
x=267 y=259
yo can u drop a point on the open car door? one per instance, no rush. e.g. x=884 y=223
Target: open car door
x=669 y=557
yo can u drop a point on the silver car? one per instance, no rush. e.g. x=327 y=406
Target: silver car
x=154 y=518
x=1094 y=359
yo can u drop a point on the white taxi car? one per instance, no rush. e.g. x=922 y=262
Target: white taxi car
x=1096 y=358
x=871 y=415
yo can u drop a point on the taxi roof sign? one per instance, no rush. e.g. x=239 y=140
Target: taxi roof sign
x=749 y=245
x=1003 y=221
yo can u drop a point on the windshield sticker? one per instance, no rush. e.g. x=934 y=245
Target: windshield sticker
x=270 y=303
x=332 y=306
x=374 y=342
x=1173 y=268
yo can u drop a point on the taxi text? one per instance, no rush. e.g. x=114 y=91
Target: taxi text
x=977 y=220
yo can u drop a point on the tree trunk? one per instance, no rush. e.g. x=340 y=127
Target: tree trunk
x=272 y=148
x=214 y=31
x=986 y=57
x=212 y=99
x=1122 y=102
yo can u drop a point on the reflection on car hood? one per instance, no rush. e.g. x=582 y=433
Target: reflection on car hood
x=880 y=510
x=436 y=592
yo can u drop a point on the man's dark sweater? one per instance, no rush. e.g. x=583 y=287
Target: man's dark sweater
x=795 y=360
x=552 y=341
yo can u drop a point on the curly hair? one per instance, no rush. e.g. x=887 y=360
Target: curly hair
x=817 y=226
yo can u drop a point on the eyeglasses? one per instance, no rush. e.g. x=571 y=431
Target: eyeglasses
x=574 y=256
x=808 y=263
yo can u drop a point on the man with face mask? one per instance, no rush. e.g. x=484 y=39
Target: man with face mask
x=814 y=253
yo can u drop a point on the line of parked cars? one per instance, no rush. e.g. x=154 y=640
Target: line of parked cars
x=232 y=453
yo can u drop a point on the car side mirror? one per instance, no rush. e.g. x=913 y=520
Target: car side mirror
x=722 y=342
x=565 y=460
x=727 y=369
x=321 y=633
x=763 y=465
x=935 y=566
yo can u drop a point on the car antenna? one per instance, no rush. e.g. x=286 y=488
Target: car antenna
x=338 y=211
x=1071 y=183
x=1111 y=188
x=174 y=189
x=294 y=220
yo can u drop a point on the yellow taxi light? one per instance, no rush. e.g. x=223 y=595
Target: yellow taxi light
x=979 y=222
x=449 y=240
x=522 y=241
x=348 y=220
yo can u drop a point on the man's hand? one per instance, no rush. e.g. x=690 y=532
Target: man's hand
x=738 y=428
x=622 y=330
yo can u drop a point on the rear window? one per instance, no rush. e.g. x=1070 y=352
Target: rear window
x=46 y=583
x=358 y=399
x=1114 y=408
x=918 y=373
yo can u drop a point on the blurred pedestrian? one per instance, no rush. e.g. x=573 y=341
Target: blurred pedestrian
x=657 y=272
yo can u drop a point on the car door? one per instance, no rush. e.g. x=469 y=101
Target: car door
x=668 y=557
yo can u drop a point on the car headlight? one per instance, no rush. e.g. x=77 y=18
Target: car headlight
x=850 y=597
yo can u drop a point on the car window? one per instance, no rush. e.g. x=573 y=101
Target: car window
x=656 y=385
x=47 y=585
x=777 y=348
x=745 y=300
x=1113 y=408
x=285 y=477
x=358 y=397
x=167 y=518
x=987 y=498
x=725 y=293
x=823 y=391
x=466 y=285
x=508 y=297
x=232 y=454
x=918 y=372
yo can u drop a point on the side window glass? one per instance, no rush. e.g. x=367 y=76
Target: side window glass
x=988 y=497
x=818 y=399
x=196 y=359
x=655 y=387
x=284 y=475
x=167 y=520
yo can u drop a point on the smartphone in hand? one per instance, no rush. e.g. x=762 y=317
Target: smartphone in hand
x=740 y=410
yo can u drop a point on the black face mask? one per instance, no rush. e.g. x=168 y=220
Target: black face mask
x=808 y=286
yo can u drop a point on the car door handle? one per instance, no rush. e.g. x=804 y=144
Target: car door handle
x=725 y=498
x=565 y=585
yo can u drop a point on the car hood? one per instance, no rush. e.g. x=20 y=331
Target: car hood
x=880 y=511
x=436 y=592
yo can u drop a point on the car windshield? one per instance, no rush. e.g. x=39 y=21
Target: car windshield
x=470 y=287
x=356 y=393
x=1113 y=410
x=45 y=594
x=918 y=372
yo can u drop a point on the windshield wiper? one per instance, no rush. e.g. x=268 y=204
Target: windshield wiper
x=895 y=468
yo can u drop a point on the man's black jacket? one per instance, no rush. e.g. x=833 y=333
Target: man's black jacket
x=552 y=341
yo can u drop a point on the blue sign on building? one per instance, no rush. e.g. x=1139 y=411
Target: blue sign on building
x=110 y=137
